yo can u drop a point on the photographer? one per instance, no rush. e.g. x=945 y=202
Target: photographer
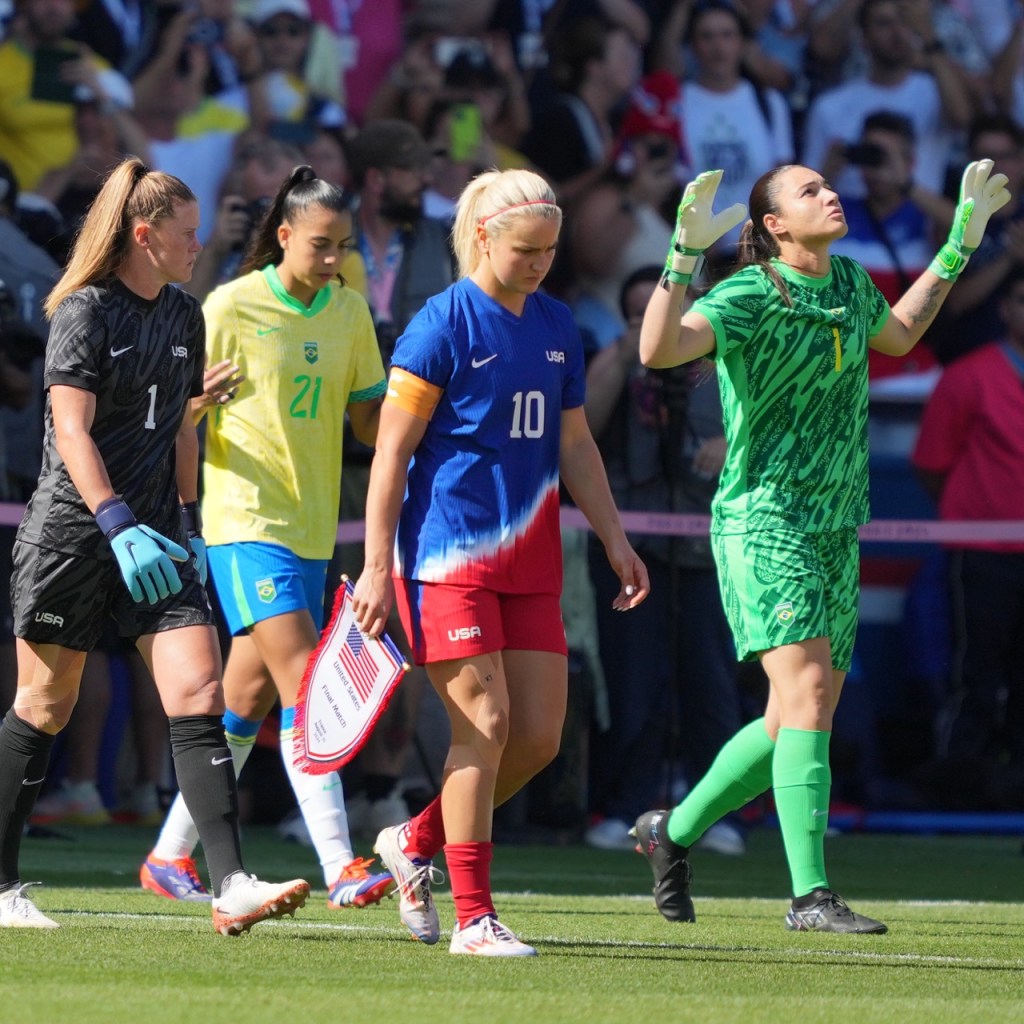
x=673 y=695
x=895 y=227
x=260 y=166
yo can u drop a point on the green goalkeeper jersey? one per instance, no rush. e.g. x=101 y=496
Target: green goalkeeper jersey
x=794 y=385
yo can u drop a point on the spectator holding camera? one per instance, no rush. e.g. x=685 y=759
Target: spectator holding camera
x=894 y=227
x=625 y=203
x=932 y=97
x=259 y=167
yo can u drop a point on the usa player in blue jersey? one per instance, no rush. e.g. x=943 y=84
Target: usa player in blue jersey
x=483 y=414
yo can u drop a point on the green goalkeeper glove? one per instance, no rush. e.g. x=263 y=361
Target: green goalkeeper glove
x=981 y=194
x=697 y=228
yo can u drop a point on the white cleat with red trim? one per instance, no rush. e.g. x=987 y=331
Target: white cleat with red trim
x=246 y=901
x=488 y=937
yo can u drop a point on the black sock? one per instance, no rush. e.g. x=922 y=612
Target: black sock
x=379 y=787
x=206 y=778
x=24 y=758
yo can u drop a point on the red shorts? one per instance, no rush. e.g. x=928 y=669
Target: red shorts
x=444 y=623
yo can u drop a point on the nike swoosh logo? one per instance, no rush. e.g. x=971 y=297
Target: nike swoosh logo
x=332 y=785
x=260 y=331
x=220 y=760
x=477 y=363
x=115 y=352
x=32 y=782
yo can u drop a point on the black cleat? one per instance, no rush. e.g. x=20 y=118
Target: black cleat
x=672 y=871
x=824 y=911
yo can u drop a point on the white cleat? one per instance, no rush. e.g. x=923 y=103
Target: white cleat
x=245 y=901
x=488 y=937
x=416 y=904
x=18 y=911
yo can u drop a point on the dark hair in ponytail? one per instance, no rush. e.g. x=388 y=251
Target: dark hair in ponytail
x=299 y=192
x=757 y=245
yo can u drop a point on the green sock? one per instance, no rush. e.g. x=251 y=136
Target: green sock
x=741 y=771
x=802 y=782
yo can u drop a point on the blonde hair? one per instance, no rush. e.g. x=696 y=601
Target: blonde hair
x=131 y=191
x=494 y=199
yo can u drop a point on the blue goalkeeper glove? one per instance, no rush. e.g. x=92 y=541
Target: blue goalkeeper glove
x=193 y=522
x=143 y=555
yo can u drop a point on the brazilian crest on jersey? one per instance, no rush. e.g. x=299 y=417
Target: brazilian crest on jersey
x=794 y=386
x=272 y=471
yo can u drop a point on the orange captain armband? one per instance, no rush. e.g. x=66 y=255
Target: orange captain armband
x=413 y=394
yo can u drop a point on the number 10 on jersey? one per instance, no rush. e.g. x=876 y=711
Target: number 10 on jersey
x=527 y=414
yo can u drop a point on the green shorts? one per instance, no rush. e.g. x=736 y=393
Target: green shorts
x=781 y=587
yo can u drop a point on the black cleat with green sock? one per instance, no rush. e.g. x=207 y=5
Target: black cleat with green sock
x=822 y=910
x=672 y=871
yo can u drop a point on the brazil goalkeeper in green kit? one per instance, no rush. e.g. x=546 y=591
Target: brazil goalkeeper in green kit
x=789 y=332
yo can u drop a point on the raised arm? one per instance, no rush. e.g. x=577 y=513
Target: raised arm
x=667 y=337
x=981 y=194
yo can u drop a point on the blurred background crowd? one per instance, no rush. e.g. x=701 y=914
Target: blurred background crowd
x=618 y=103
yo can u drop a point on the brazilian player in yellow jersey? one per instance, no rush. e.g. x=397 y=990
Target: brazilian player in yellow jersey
x=306 y=355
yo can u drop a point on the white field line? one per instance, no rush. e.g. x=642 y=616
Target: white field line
x=191 y=921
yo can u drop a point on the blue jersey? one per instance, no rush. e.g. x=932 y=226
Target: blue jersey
x=481 y=506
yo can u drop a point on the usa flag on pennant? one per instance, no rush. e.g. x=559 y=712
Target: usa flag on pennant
x=347 y=684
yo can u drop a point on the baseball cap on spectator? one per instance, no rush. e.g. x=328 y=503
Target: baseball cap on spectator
x=387 y=143
x=472 y=68
x=264 y=10
x=655 y=108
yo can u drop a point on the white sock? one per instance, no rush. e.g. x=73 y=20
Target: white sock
x=322 y=804
x=179 y=836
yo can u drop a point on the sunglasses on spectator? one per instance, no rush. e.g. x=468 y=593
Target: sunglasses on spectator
x=293 y=29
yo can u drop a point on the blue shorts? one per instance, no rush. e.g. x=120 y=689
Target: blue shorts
x=257 y=581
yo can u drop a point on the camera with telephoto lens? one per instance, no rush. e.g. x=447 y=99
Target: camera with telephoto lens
x=19 y=341
x=254 y=212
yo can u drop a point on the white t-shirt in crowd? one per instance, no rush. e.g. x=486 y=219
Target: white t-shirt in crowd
x=729 y=131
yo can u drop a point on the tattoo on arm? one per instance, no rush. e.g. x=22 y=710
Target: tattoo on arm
x=922 y=309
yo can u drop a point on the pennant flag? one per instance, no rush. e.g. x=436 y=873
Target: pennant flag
x=348 y=682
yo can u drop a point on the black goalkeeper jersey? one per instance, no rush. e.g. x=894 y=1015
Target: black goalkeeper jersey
x=143 y=360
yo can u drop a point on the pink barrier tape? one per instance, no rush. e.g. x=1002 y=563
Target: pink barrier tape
x=893 y=530
x=902 y=531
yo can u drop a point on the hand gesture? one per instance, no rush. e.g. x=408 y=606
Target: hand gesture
x=697 y=228
x=981 y=194
x=372 y=599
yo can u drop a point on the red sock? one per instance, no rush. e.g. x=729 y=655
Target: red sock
x=469 y=869
x=424 y=835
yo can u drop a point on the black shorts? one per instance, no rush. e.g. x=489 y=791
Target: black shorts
x=66 y=600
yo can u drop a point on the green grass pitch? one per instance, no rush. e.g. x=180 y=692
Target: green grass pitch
x=955 y=950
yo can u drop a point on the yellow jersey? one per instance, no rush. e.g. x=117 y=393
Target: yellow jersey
x=272 y=468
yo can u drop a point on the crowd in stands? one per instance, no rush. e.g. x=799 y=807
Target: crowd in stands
x=618 y=103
